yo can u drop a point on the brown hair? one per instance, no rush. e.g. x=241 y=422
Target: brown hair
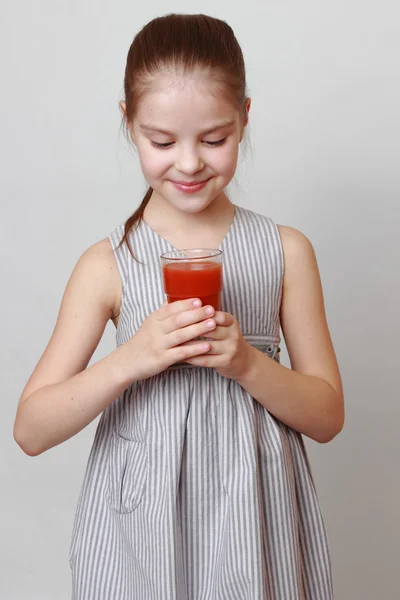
x=181 y=42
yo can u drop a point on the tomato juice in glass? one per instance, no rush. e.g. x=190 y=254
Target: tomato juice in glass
x=193 y=273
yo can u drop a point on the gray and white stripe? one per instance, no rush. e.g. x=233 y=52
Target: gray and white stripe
x=193 y=491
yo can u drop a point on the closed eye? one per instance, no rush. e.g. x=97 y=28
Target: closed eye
x=169 y=144
x=218 y=143
x=156 y=145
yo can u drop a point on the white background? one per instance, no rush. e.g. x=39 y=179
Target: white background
x=324 y=158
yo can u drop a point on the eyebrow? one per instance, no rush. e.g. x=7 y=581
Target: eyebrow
x=222 y=125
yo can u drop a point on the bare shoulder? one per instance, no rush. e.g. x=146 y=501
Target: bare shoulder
x=300 y=265
x=291 y=234
x=100 y=253
x=303 y=317
x=90 y=300
x=295 y=244
x=99 y=266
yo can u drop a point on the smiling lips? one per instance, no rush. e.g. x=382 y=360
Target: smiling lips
x=189 y=187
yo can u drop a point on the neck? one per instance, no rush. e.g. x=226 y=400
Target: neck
x=163 y=217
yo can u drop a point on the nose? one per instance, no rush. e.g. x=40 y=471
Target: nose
x=189 y=161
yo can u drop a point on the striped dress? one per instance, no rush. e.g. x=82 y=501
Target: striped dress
x=193 y=490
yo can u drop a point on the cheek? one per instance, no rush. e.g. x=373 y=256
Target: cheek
x=226 y=162
x=153 y=163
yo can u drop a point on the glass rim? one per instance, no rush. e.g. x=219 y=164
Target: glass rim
x=205 y=253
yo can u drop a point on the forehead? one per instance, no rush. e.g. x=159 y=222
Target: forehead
x=178 y=102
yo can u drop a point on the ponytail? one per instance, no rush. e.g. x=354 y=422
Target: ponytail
x=134 y=221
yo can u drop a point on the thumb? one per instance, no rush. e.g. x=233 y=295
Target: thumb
x=224 y=319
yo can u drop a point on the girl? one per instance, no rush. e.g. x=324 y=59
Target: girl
x=197 y=485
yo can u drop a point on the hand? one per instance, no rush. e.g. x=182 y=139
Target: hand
x=229 y=353
x=168 y=336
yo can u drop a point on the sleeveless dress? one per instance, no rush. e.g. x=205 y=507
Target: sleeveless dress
x=193 y=490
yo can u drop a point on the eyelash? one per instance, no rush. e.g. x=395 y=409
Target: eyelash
x=169 y=144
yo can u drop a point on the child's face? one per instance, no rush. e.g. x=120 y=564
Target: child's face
x=200 y=137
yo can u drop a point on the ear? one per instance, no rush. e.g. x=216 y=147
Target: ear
x=247 y=108
x=246 y=117
x=122 y=106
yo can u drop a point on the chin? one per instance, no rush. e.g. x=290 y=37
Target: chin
x=190 y=205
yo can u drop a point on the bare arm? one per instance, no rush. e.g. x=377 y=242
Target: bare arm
x=308 y=397
x=62 y=396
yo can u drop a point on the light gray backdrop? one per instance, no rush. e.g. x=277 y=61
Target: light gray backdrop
x=324 y=78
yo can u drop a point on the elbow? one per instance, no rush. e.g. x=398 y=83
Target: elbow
x=329 y=433
x=327 y=436
x=333 y=425
x=25 y=444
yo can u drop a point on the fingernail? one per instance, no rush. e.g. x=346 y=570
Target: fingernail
x=210 y=323
x=196 y=303
x=209 y=310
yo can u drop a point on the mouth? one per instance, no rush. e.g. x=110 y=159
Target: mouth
x=190 y=186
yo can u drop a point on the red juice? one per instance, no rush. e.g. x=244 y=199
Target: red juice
x=199 y=279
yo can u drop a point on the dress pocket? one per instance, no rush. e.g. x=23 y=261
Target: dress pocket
x=128 y=473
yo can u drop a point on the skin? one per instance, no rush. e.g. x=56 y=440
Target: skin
x=62 y=395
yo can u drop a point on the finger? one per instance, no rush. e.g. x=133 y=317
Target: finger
x=188 y=351
x=218 y=333
x=216 y=348
x=197 y=361
x=183 y=319
x=205 y=360
x=224 y=319
x=168 y=309
x=186 y=334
